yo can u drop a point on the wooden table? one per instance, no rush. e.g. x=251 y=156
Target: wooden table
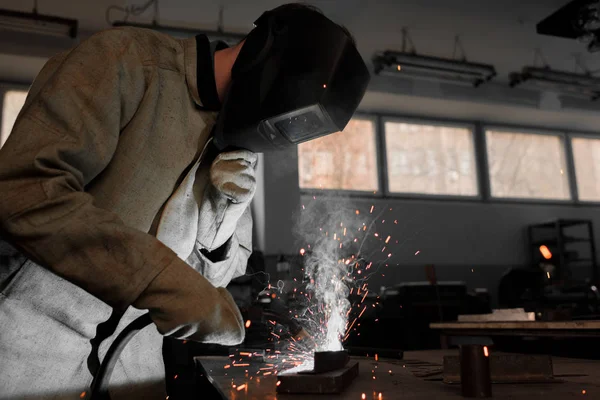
x=520 y=328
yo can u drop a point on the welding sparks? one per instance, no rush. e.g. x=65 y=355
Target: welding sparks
x=248 y=324
x=372 y=208
x=241 y=387
x=417 y=253
x=302 y=252
x=486 y=351
x=363 y=396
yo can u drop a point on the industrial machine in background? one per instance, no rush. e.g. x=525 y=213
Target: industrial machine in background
x=562 y=280
x=402 y=313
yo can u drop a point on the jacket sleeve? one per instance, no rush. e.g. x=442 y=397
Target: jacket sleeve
x=229 y=261
x=64 y=137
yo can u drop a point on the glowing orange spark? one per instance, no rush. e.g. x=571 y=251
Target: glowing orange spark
x=363 y=396
x=583 y=392
x=376 y=357
x=241 y=365
x=244 y=353
x=486 y=351
x=363 y=299
x=248 y=324
x=302 y=251
x=372 y=207
x=362 y=312
x=388 y=239
x=324 y=86
x=357 y=212
x=227 y=366
x=278 y=383
x=418 y=251
x=380 y=396
x=546 y=253
x=241 y=387
x=82 y=395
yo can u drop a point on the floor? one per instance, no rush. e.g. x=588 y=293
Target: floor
x=415 y=377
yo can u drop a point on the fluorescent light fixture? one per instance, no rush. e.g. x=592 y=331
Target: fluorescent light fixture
x=567 y=83
x=38 y=23
x=229 y=38
x=412 y=65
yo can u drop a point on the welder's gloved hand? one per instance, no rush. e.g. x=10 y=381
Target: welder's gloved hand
x=185 y=305
x=232 y=174
x=232 y=187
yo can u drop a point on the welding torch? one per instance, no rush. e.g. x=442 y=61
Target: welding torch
x=296 y=330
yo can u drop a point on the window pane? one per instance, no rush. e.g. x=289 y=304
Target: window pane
x=527 y=166
x=587 y=167
x=11 y=105
x=344 y=160
x=430 y=159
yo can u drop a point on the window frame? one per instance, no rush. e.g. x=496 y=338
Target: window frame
x=571 y=135
x=6 y=86
x=566 y=148
x=472 y=126
x=354 y=193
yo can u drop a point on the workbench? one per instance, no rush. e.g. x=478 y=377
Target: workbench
x=520 y=328
x=418 y=376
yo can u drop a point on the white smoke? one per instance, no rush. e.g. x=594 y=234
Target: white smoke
x=328 y=228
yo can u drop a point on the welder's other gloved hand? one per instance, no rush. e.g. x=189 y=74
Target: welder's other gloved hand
x=232 y=186
x=232 y=174
x=185 y=305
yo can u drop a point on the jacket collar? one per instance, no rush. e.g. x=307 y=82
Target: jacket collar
x=199 y=70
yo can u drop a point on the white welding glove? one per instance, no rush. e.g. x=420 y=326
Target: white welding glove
x=185 y=305
x=231 y=189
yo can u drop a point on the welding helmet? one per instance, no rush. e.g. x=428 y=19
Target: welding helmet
x=298 y=76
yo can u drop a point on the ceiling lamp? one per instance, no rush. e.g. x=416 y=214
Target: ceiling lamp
x=180 y=32
x=176 y=31
x=566 y=83
x=412 y=65
x=37 y=23
x=401 y=64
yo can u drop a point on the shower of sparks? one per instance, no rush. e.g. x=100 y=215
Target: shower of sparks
x=331 y=297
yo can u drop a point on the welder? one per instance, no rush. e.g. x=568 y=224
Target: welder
x=125 y=188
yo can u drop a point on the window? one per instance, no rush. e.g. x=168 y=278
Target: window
x=12 y=103
x=341 y=161
x=527 y=165
x=586 y=154
x=430 y=159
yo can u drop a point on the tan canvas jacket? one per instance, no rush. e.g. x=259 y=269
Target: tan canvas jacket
x=107 y=133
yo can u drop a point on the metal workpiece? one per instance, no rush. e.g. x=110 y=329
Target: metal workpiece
x=475 y=371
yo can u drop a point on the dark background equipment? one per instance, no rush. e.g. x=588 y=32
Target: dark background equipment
x=579 y=20
x=562 y=280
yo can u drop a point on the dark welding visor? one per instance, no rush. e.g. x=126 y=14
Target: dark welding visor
x=298 y=76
